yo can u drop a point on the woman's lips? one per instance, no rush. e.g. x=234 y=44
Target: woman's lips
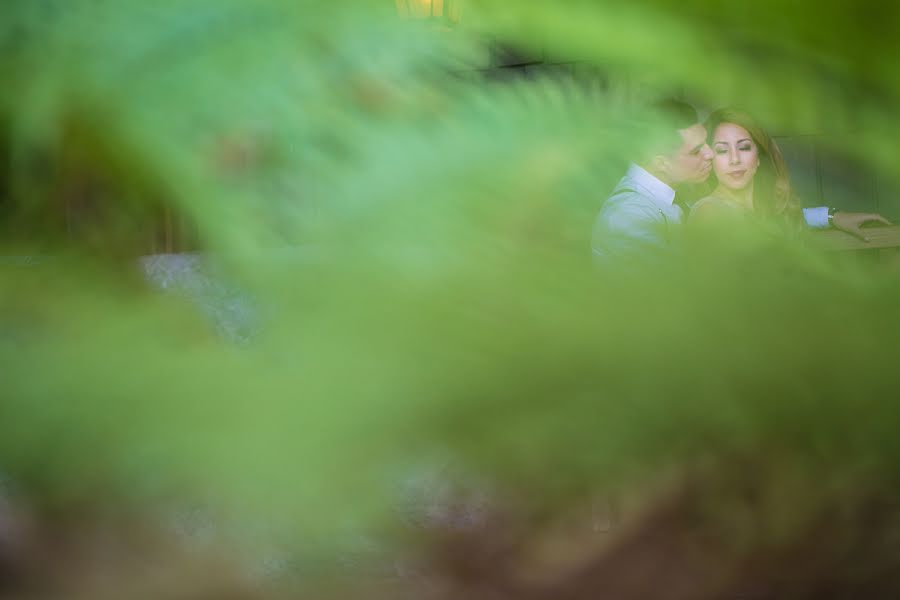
x=737 y=174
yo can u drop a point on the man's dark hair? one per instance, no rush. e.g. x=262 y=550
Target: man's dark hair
x=678 y=114
x=660 y=123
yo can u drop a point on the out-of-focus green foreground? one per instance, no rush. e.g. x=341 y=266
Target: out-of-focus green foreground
x=413 y=246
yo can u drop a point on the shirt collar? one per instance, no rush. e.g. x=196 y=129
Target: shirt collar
x=655 y=189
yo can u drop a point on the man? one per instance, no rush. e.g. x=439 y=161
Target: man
x=642 y=211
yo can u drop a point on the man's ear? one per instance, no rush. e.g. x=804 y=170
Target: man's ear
x=660 y=164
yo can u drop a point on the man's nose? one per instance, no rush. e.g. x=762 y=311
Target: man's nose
x=707 y=152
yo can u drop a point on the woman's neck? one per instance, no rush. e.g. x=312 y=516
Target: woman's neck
x=743 y=197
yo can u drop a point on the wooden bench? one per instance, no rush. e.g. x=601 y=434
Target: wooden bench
x=883 y=237
x=883 y=245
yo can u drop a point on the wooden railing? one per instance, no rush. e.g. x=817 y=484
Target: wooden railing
x=880 y=238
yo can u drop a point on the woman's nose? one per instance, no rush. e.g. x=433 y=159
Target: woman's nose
x=734 y=158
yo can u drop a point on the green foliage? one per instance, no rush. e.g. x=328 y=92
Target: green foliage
x=414 y=242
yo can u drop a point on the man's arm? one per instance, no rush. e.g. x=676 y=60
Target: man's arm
x=816 y=218
x=850 y=222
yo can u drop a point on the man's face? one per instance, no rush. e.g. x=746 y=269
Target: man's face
x=692 y=161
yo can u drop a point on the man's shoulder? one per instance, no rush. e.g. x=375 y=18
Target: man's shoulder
x=628 y=222
x=627 y=202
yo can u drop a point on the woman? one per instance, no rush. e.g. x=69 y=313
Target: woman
x=750 y=175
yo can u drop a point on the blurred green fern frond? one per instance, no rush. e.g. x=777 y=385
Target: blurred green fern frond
x=390 y=262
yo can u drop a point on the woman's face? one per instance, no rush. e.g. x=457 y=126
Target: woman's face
x=736 y=156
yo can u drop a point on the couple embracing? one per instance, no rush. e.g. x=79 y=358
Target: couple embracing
x=747 y=173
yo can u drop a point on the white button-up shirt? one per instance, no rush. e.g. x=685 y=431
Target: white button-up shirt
x=639 y=214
